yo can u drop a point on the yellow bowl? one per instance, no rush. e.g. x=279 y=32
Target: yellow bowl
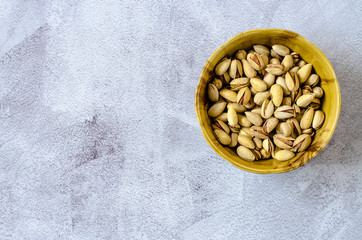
x=311 y=54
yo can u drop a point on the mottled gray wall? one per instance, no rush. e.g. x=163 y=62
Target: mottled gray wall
x=99 y=138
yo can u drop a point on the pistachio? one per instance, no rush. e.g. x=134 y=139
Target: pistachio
x=234 y=140
x=312 y=80
x=245 y=153
x=232 y=117
x=246 y=141
x=243 y=96
x=287 y=62
x=226 y=78
x=292 y=81
x=256 y=153
x=260 y=97
x=253 y=91
x=256 y=110
x=284 y=155
x=281 y=50
x=302 y=142
x=295 y=95
x=218 y=83
x=222 y=117
x=306 y=89
x=282 y=83
x=301 y=63
x=236 y=69
x=276 y=93
x=212 y=93
x=284 y=112
x=295 y=56
x=239 y=83
x=222 y=137
x=261 y=49
x=250 y=104
x=254 y=118
x=305 y=100
x=268 y=145
x=267 y=109
x=303 y=72
x=285 y=129
x=222 y=66
x=265 y=60
x=221 y=125
x=318 y=91
x=276 y=69
x=255 y=61
x=294 y=70
x=269 y=79
x=244 y=121
x=274 y=61
x=296 y=131
x=248 y=70
x=273 y=54
x=318 y=119
x=270 y=124
x=245 y=130
x=316 y=103
x=235 y=129
x=308 y=131
x=237 y=107
x=282 y=141
x=287 y=101
x=307 y=118
x=258 y=85
x=258 y=143
x=228 y=95
x=296 y=109
x=264 y=154
x=241 y=54
x=258 y=132
x=216 y=109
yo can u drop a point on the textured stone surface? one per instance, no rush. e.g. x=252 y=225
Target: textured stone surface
x=99 y=139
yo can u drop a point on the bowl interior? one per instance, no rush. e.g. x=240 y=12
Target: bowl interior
x=311 y=54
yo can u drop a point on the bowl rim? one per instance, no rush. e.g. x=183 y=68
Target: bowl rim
x=237 y=164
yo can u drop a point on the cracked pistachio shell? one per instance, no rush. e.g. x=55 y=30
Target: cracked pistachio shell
x=318 y=119
x=232 y=117
x=256 y=110
x=284 y=112
x=301 y=63
x=234 y=140
x=282 y=141
x=295 y=95
x=276 y=93
x=218 y=83
x=284 y=155
x=254 y=118
x=296 y=131
x=292 y=81
x=245 y=130
x=304 y=72
x=216 y=109
x=312 y=80
x=308 y=131
x=287 y=101
x=228 y=95
x=250 y=104
x=295 y=56
x=246 y=141
x=253 y=91
x=237 y=107
x=222 y=137
x=265 y=59
x=212 y=93
x=261 y=49
x=258 y=143
x=245 y=153
x=235 y=129
x=276 y=69
x=307 y=119
x=235 y=69
x=239 y=83
x=316 y=103
x=287 y=62
x=294 y=70
x=222 y=117
x=240 y=55
x=244 y=121
x=268 y=145
x=318 y=91
x=226 y=78
x=302 y=142
x=267 y=109
x=305 y=100
x=248 y=70
x=285 y=129
x=273 y=54
x=256 y=153
x=270 y=124
x=264 y=154
x=258 y=132
x=274 y=61
x=255 y=61
x=260 y=97
x=281 y=50
x=269 y=79
x=258 y=84
x=281 y=81
x=243 y=96
x=221 y=125
x=222 y=66
x=296 y=109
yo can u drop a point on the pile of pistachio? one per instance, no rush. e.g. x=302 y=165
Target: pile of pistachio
x=264 y=103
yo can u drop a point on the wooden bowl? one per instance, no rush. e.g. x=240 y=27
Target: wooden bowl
x=331 y=103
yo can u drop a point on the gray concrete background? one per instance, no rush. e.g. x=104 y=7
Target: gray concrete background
x=99 y=138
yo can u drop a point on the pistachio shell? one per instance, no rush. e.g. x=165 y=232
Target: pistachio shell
x=250 y=104
x=295 y=56
x=248 y=70
x=287 y=62
x=261 y=49
x=285 y=129
x=292 y=81
x=281 y=50
x=243 y=96
x=269 y=79
x=305 y=100
x=222 y=117
x=226 y=77
x=258 y=132
x=274 y=61
x=244 y=121
x=316 y=103
x=270 y=124
x=281 y=81
x=245 y=130
x=216 y=109
x=284 y=112
x=237 y=107
x=246 y=141
x=304 y=72
x=287 y=101
x=268 y=145
x=241 y=54
x=222 y=66
x=318 y=91
x=228 y=95
x=256 y=110
x=258 y=143
x=282 y=141
x=221 y=125
x=308 y=131
x=296 y=109
x=295 y=95
x=232 y=117
x=265 y=59
x=312 y=80
x=218 y=83
x=318 y=120
x=254 y=118
x=235 y=129
x=258 y=84
x=294 y=70
x=301 y=63
x=296 y=131
x=245 y=153
x=267 y=109
x=212 y=93
x=234 y=140
x=284 y=155
x=273 y=54
x=222 y=137
x=260 y=97
x=264 y=154
x=276 y=93
x=276 y=69
x=307 y=118
x=302 y=142
x=236 y=69
x=255 y=61
x=239 y=83
x=256 y=153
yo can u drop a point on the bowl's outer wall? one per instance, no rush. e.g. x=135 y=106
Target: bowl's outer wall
x=311 y=54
